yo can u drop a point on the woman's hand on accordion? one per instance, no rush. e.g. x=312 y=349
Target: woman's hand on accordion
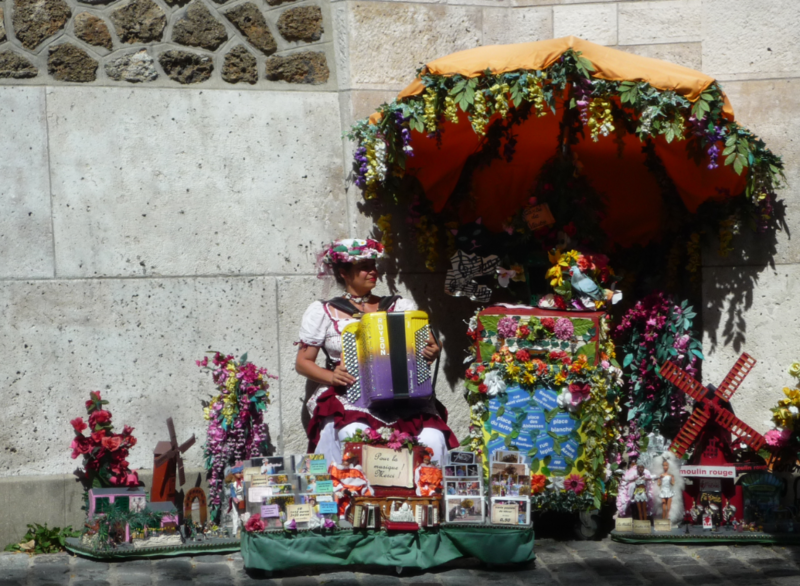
x=342 y=378
x=432 y=350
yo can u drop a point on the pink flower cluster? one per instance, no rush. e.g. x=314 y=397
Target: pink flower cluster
x=564 y=329
x=778 y=439
x=236 y=426
x=507 y=327
x=395 y=441
x=104 y=452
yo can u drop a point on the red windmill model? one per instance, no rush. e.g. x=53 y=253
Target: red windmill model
x=709 y=429
x=167 y=460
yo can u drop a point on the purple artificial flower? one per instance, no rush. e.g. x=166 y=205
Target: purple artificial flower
x=507 y=327
x=564 y=329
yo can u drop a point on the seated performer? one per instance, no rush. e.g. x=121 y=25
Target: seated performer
x=333 y=418
x=427 y=477
x=348 y=481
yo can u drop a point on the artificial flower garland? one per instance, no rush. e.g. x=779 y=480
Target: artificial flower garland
x=492 y=103
x=783 y=440
x=104 y=452
x=236 y=427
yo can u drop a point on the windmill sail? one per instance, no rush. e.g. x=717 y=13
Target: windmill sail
x=735 y=377
x=689 y=432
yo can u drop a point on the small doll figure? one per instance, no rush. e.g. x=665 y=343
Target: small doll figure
x=236 y=502
x=427 y=477
x=639 y=491
x=623 y=494
x=729 y=513
x=348 y=481
x=666 y=481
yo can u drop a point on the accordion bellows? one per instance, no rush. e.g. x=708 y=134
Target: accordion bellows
x=383 y=351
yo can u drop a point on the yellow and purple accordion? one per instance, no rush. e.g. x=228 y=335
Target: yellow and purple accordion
x=383 y=351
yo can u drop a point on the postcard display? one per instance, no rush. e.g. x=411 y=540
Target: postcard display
x=531 y=416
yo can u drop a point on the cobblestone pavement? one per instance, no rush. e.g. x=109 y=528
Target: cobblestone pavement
x=570 y=563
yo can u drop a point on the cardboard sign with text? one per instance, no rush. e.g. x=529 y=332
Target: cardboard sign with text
x=505 y=514
x=387 y=467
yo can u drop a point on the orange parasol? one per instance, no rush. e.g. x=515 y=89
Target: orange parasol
x=664 y=123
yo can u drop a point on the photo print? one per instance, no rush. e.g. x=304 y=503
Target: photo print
x=464 y=509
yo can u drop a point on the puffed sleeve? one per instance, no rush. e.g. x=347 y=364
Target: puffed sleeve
x=405 y=305
x=314 y=325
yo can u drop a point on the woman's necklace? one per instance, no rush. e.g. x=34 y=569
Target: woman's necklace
x=357 y=300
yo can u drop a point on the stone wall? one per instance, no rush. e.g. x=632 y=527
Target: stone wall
x=166 y=43
x=157 y=205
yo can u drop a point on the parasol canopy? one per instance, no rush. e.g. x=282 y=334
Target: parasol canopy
x=476 y=131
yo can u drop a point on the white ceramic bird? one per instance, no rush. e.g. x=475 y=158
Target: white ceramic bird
x=585 y=285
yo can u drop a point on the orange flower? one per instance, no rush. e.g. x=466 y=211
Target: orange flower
x=538 y=482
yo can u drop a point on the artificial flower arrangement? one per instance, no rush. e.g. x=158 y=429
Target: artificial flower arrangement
x=384 y=436
x=236 y=426
x=783 y=440
x=104 y=452
x=653 y=331
x=580 y=281
x=528 y=356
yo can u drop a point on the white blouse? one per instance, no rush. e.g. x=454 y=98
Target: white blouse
x=322 y=325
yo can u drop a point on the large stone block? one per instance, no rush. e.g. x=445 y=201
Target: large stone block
x=592 y=22
x=192 y=182
x=307 y=67
x=199 y=28
x=686 y=54
x=518 y=25
x=769 y=109
x=671 y=21
x=135 y=340
x=26 y=235
x=371 y=32
x=296 y=293
x=36 y=20
x=753 y=310
x=751 y=38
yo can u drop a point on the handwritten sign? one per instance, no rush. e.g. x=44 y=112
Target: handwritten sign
x=641 y=527
x=386 y=467
x=324 y=486
x=327 y=508
x=256 y=493
x=318 y=467
x=662 y=525
x=300 y=513
x=270 y=511
x=624 y=524
x=505 y=514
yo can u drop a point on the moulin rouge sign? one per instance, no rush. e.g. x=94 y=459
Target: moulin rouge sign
x=709 y=471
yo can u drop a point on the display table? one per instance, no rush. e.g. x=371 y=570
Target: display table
x=424 y=549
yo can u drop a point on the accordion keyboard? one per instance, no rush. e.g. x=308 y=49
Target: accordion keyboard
x=350 y=357
x=420 y=342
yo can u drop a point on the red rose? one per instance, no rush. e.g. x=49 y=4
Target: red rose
x=78 y=424
x=566 y=360
x=483 y=388
x=99 y=417
x=111 y=443
x=560 y=303
x=481 y=368
x=97 y=437
x=549 y=324
x=523 y=356
x=523 y=332
x=80 y=445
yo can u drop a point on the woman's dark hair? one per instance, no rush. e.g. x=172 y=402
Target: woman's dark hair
x=337 y=272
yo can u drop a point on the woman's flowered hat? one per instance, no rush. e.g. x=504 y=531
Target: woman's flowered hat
x=353 y=250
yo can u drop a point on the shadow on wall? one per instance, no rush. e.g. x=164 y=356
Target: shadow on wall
x=728 y=288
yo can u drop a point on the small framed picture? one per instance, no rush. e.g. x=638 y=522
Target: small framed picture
x=450 y=471
x=464 y=510
x=451 y=488
x=472 y=470
x=460 y=457
x=503 y=510
x=509 y=457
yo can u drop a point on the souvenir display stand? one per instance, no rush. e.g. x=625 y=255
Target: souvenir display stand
x=423 y=549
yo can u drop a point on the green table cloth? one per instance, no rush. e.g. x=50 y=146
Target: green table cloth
x=422 y=550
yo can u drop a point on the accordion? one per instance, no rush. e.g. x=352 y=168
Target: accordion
x=383 y=351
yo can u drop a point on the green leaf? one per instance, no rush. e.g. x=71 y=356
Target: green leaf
x=626 y=362
x=557 y=448
x=580 y=466
x=698 y=354
x=501 y=411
